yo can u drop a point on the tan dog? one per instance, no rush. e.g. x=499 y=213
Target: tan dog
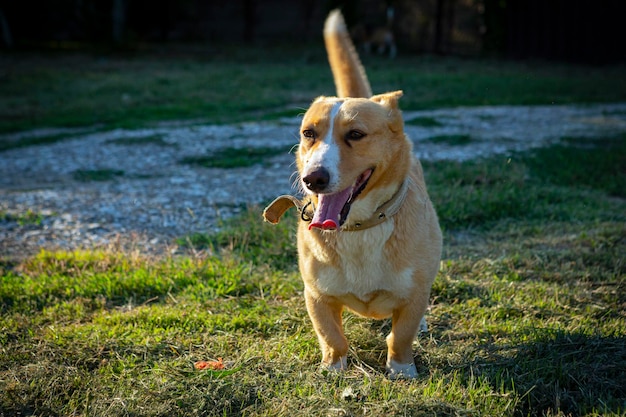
x=369 y=239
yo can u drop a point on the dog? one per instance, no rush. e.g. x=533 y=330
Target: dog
x=379 y=37
x=369 y=238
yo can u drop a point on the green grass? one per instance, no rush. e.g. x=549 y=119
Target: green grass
x=559 y=164
x=232 y=157
x=34 y=140
x=104 y=174
x=29 y=217
x=453 y=140
x=237 y=83
x=424 y=122
x=527 y=313
x=154 y=140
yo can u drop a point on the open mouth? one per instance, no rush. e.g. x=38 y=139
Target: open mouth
x=332 y=209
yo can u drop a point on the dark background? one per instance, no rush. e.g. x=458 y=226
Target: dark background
x=563 y=30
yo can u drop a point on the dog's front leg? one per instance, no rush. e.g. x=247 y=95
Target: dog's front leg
x=404 y=325
x=325 y=313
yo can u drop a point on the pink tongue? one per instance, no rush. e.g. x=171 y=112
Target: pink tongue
x=328 y=209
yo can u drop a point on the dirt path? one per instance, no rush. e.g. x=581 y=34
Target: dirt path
x=148 y=196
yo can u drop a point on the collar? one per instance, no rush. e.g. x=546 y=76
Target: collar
x=274 y=211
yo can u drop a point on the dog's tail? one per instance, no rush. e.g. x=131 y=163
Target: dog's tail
x=348 y=72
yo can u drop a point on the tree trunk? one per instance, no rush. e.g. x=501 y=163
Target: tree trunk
x=7 y=38
x=438 y=48
x=119 y=20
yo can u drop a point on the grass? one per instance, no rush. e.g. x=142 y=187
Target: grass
x=154 y=140
x=29 y=217
x=452 y=140
x=104 y=174
x=424 y=122
x=231 y=157
x=527 y=314
x=8 y=143
x=609 y=153
x=237 y=83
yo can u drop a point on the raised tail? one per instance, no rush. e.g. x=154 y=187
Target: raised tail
x=348 y=72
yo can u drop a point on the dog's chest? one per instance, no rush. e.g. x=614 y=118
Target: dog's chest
x=365 y=266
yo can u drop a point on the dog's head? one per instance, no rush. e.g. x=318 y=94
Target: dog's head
x=352 y=153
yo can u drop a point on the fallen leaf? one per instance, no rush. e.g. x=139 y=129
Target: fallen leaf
x=217 y=365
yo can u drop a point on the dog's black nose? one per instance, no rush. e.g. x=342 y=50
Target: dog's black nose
x=317 y=180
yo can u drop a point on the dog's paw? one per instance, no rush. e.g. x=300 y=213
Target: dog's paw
x=397 y=370
x=340 y=365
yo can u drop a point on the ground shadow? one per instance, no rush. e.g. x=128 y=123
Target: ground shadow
x=558 y=371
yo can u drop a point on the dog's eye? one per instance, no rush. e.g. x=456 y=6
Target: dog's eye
x=308 y=133
x=355 y=135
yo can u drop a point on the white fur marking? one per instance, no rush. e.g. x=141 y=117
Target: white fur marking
x=334 y=23
x=340 y=365
x=366 y=267
x=327 y=153
x=397 y=370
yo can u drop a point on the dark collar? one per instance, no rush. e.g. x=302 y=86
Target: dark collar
x=274 y=211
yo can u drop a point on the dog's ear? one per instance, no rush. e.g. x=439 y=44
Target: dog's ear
x=279 y=206
x=388 y=99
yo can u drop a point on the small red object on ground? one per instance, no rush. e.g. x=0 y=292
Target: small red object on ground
x=217 y=365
